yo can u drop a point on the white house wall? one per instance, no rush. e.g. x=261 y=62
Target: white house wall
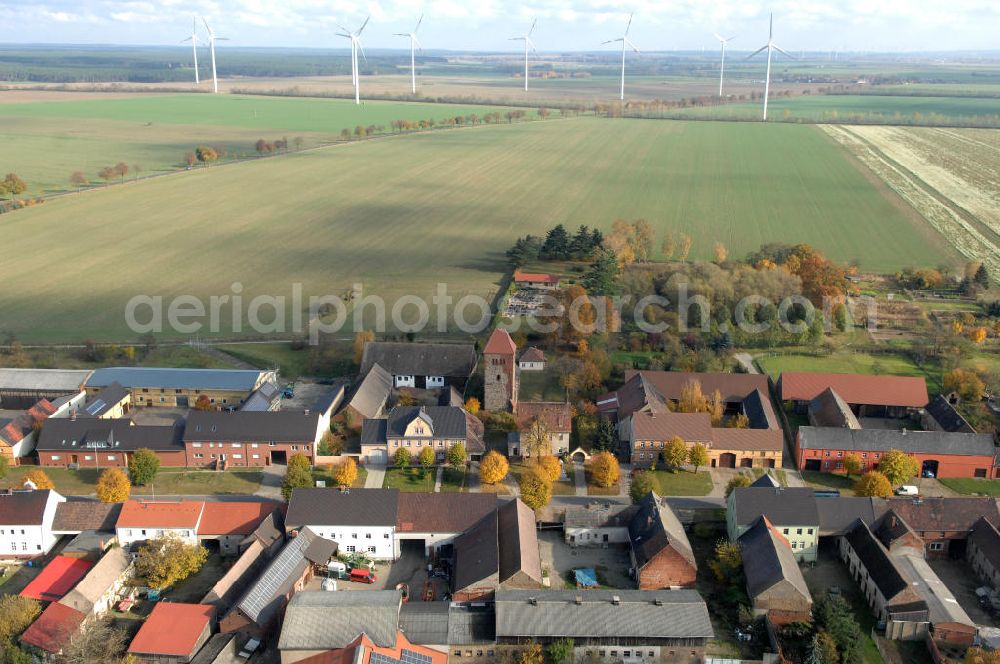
x=128 y=536
x=352 y=539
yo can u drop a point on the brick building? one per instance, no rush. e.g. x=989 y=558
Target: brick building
x=180 y=388
x=95 y=443
x=661 y=553
x=249 y=438
x=501 y=372
x=867 y=396
x=415 y=428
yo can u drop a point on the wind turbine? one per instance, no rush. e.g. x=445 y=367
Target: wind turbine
x=526 y=38
x=194 y=46
x=211 y=44
x=625 y=42
x=722 y=69
x=770 y=47
x=414 y=42
x=355 y=38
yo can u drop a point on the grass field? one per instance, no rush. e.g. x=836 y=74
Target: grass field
x=403 y=214
x=684 y=483
x=969 y=486
x=862 y=363
x=168 y=482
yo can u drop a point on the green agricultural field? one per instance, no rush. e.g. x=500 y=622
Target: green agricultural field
x=45 y=141
x=403 y=214
x=883 y=109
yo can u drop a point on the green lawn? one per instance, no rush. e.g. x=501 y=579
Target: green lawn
x=452 y=480
x=830 y=481
x=970 y=486
x=684 y=483
x=410 y=479
x=168 y=482
x=846 y=362
x=541 y=386
x=409 y=213
x=326 y=474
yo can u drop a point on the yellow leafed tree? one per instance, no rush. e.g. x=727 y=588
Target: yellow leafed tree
x=113 y=486
x=345 y=473
x=493 y=468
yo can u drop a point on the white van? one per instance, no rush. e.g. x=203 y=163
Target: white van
x=907 y=490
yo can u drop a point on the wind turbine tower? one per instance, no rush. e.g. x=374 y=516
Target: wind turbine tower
x=211 y=45
x=625 y=42
x=770 y=47
x=194 y=47
x=414 y=43
x=355 y=38
x=526 y=37
x=722 y=68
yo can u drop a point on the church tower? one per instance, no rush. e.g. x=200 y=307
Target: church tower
x=500 y=365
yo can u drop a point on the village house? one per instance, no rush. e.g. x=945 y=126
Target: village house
x=775 y=583
x=415 y=428
x=661 y=553
x=370 y=397
x=421 y=365
x=532 y=359
x=597 y=524
x=983 y=552
x=26 y=522
x=868 y=396
x=224 y=440
x=939 y=453
x=91 y=524
x=87 y=442
x=226 y=525
x=256 y=550
x=556 y=416
x=172 y=634
x=537 y=280
x=261 y=605
x=141 y=520
x=110 y=403
x=791 y=511
x=944 y=524
x=608 y=625
x=19 y=430
x=180 y=388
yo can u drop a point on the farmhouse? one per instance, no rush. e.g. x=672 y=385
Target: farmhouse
x=420 y=365
x=538 y=280
x=110 y=403
x=775 y=583
x=256 y=550
x=615 y=624
x=141 y=520
x=19 y=431
x=557 y=417
x=173 y=633
x=95 y=443
x=867 y=396
x=941 y=415
x=597 y=524
x=661 y=553
x=944 y=524
x=26 y=522
x=370 y=397
x=52 y=630
x=221 y=440
x=414 y=428
x=983 y=552
x=791 y=511
x=532 y=359
x=180 y=388
x=227 y=525
x=261 y=605
x=940 y=454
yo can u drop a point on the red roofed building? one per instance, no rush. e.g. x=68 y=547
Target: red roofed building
x=57 y=578
x=230 y=523
x=501 y=372
x=557 y=418
x=363 y=651
x=17 y=435
x=536 y=280
x=868 y=396
x=52 y=630
x=141 y=520
x=173 y=632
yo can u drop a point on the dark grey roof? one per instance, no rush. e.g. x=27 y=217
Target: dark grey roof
x=87 y=433
x=268 y=531
x=443 y=421
x=757 y=407
x=518 y=545
x=891 y=581
x=330 y=400
x=190 y=379
x=837 y=514
x=218 y=650
x=77 y=516
x=425 y=623
x=333 y=507
x=883 y=440
x=263 y=399
x=420 y=359
x=477 y=554
x=281 y=426
x=329 y=620
x=654 y=528
x=783 y=507
x=373 y=432
x=372 y=393
x=766 y=481
x=264 y=600
x=23 y=508
x=471 y=625
x=986 y=538
x=947 y=417
x=104 y=400
x=768 y=560
x=830 y=410
x=658 y=614
x=599 y=515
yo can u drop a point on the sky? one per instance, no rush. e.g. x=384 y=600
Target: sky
x=487 y=25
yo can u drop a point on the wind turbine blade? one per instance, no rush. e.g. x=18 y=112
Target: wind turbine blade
x=186 y=40
x=612 y=41
x=222 y=39
x=530 y=43
x=532 y=27
x=759 y=50
x=779 y=50
x=417 y=42
x=401 y=34
x=628 y=25
x=631 y=45
x=717 y=37
x=210 y=33
x=770 y=29
x=362 y=49
x=729 y=39
x=362 y=28
x=419 y=21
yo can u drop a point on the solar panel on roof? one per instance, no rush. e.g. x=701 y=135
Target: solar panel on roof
x=279 y=572
x=96 y=407
x=406 y=657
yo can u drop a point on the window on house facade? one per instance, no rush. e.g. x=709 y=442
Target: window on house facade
x=350 y=548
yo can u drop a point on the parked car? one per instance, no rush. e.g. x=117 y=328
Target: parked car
x=907 y=490
x=363 y=576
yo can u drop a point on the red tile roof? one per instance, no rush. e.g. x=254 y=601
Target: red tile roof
x=233 y=518
x=500 y=343
x=761 y=440
x=57 y=579
x=558 y=417
x=535 y=277
x=909 y=391
x=172 y=629
x=161 y=514
x=21 y=426
x=691 y=427
x=533 y=355
x=53 y=629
